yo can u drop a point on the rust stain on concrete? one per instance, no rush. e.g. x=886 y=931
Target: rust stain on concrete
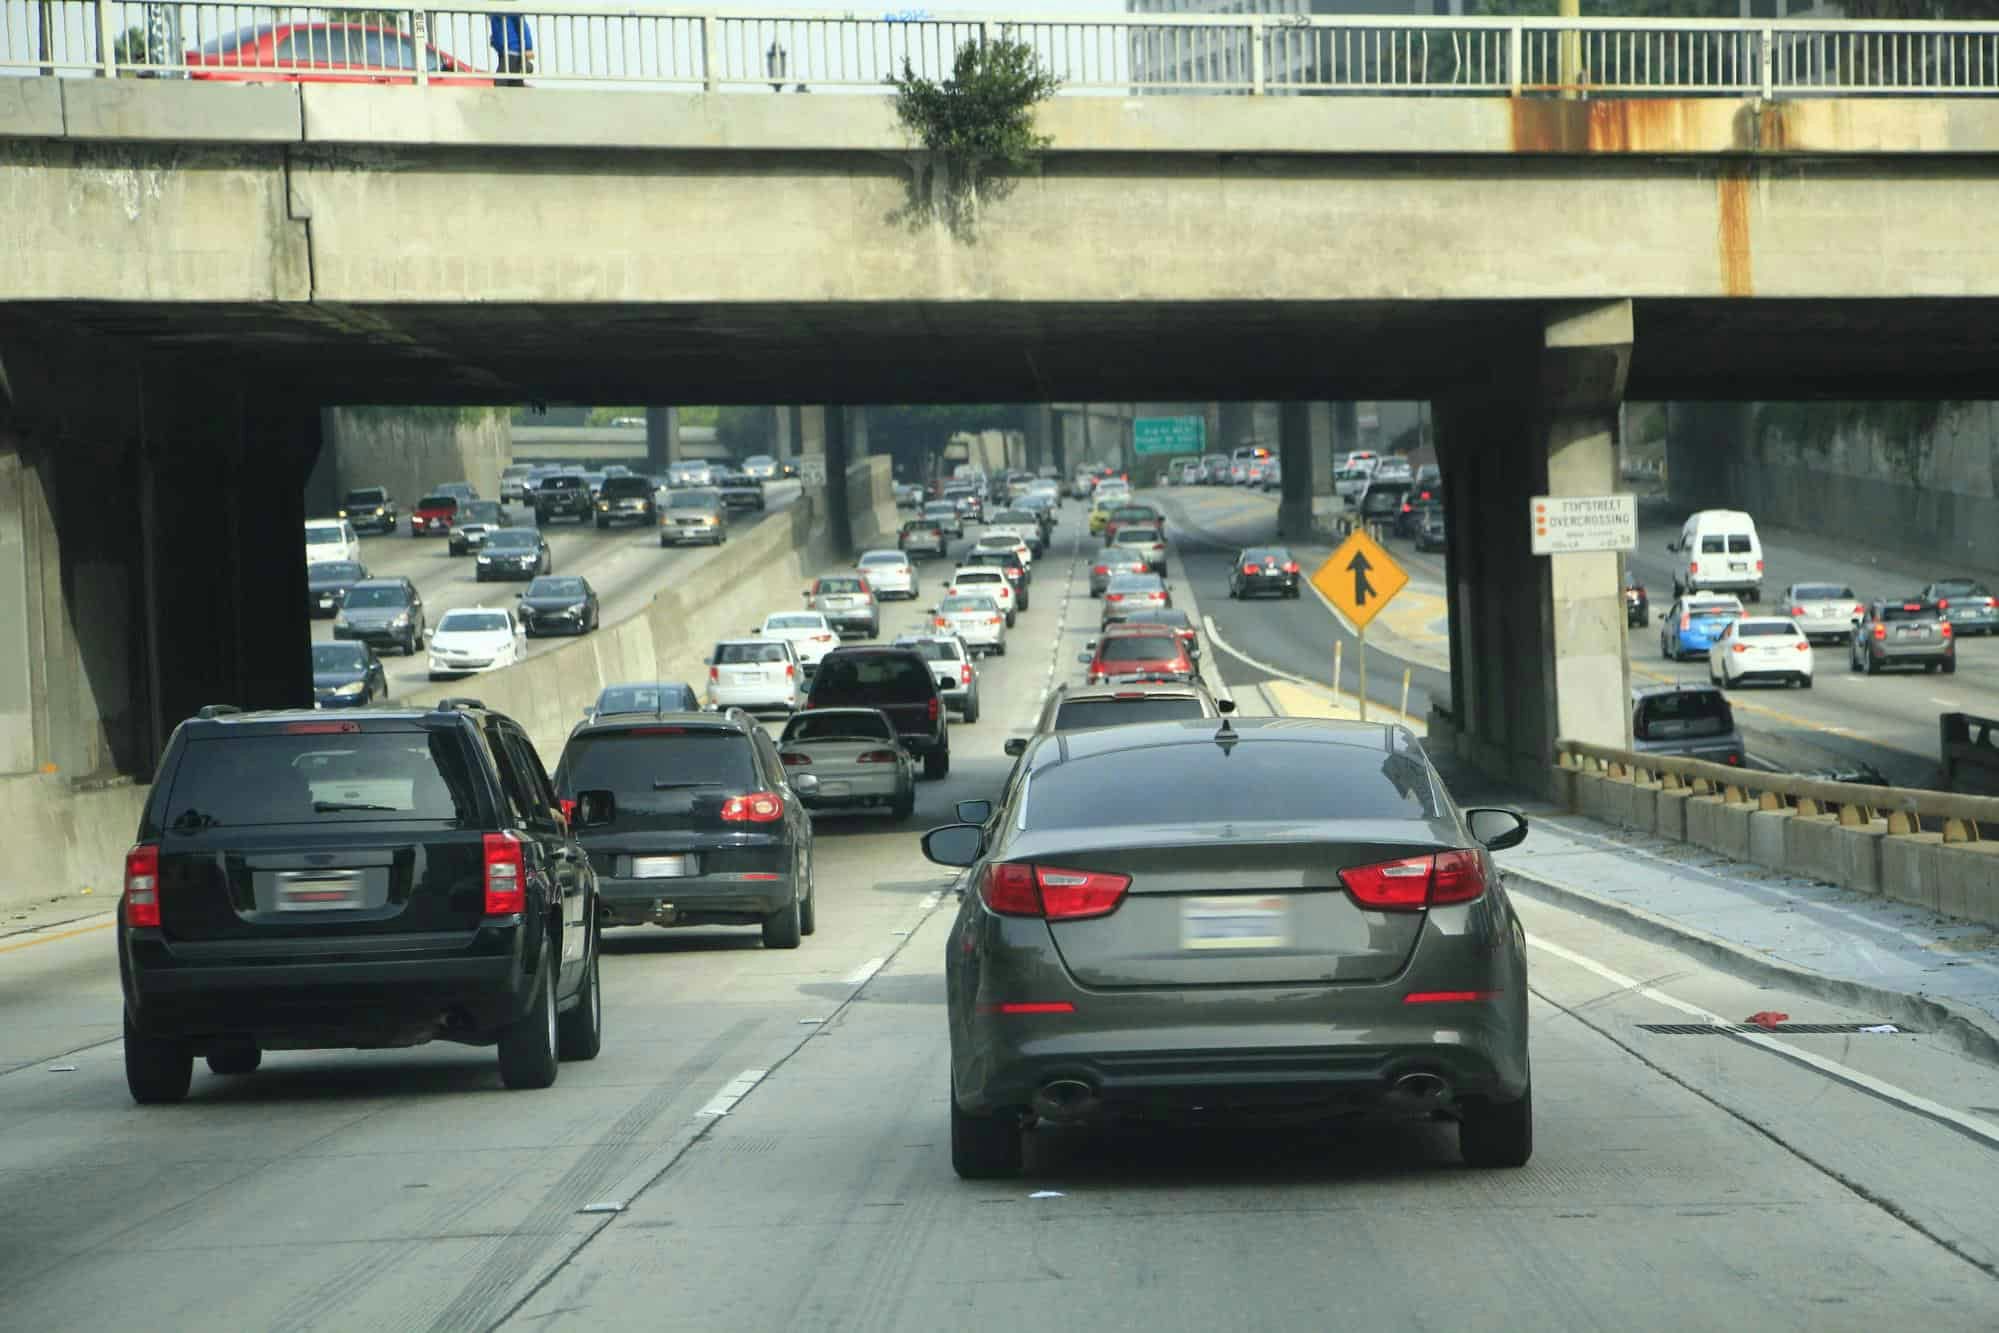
x=1619 y=125
x=1732 y=231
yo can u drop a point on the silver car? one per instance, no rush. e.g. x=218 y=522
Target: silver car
x=754 y=673
x=855 y=755
x=1135 y=592
x=951 y=662
x=889 y=573
x=1141 y=544
x=1822 y=610
x=975 y=618
x=945 y=515
x=693 y=516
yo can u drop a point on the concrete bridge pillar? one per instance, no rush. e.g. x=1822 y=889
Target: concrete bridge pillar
x=1537 y=642
x=837 y=450
x=662 y=438
x=1294 y=452
x=1237 y=426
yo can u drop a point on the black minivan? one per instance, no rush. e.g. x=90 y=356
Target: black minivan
x=384 y=880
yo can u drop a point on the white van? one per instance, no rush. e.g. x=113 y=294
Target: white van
x=331 y=539
x=1719 y=551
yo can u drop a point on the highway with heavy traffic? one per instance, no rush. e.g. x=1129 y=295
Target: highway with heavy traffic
x=762 y=1142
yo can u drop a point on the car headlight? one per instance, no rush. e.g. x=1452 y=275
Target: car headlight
x=485 y=559
x=351 y=689
x=603 y=504
x=400 y=622
x=572 y=611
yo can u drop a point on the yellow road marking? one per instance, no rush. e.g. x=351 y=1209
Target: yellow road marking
x=51 y=939
x=1736 y=701
x=1294 y=700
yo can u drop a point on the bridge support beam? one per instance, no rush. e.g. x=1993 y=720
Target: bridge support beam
x=662 y=438
x=839 y=434
x=1537 y=642
x=1294 y=452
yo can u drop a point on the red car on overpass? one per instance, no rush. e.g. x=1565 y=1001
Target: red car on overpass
x=324 y=53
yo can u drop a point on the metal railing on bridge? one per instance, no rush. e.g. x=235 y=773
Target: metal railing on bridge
x=1113 y=55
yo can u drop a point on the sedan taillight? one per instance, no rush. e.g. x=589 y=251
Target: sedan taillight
x=1416 y=882
x=877 y=757
x=1016 y=889
x=142 y=885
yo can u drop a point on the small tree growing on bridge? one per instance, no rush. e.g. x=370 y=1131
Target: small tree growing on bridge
x=977 y=122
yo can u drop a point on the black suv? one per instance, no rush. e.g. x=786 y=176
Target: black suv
x=562 y=496
x=707 y=827
x=626 y=500
x=369 y=509
x=899 y=682
x=384 y=880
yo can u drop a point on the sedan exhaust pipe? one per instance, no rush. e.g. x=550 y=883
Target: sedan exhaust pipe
x=1423 y=1090
x=1065 y=1099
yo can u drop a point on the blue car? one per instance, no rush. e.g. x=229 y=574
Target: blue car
x=1694 y=623
x=347 y=675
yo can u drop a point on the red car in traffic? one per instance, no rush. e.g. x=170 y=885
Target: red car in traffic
x=324 y=53
x=1151 y=652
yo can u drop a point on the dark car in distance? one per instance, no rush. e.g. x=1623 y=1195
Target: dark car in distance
x=370 y=509
x=1264 y=569
x=559 y=604
x=626 y=499
x=652 y=696
x=564 y=495
x=382 y=613
x=380 y=880
x=473 y=523
x=708 y=829
x=1301 y=925
x=1637 y=603
x=899 y=682
x=327 y=584
x=347 y=675
x=514 y=553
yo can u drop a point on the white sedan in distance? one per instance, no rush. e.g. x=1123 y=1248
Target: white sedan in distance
x=810 y=634
x=1768 y=649
x=889 y=573
x=472 y=639
x=975 y=618
x=984 y=580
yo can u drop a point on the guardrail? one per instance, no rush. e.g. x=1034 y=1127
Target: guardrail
x=1968 y=742
x=1122 y=55
x=1907 y=810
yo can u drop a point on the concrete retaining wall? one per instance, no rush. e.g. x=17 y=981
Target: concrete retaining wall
x=75 y=851
x=1952 y=879
x=408 y=450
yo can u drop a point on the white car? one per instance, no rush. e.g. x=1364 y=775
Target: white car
x=987 y=581
x=1111 y=491
x=809 y=633
x=690 y=473
x=331 y=539
x=754 y=673
x=975 y=618
x=473 y=639
x=1394 y=469
x=1761 y=648
x=889 y=573
x=761 y=466
x=1006 y=539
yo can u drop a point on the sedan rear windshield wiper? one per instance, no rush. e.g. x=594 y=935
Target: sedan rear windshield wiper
x=663 y=785
x=348 y=807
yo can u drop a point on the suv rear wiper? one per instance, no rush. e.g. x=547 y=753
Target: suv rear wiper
x=347 y=807
x=662 y=785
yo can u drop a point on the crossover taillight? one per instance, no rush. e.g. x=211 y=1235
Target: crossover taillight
x=1804 y=645
x=1738 y=648
x=1944 y=625
x=506 y=875
x=142 y=885
x=1880 y=630
x=1015 y=888
x=714 y=673
x=758 y=807
x=1797 y=610
x=1415 y=882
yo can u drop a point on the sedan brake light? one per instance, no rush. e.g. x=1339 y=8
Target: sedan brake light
x=877 y=757
x=1291 y=567
x=1943 y=603
x=1019 y=889
x=1415 y=882
x=943 y=622
x=1738 y=648
x=1804 y=645
x=1114 y=597
x=1686 y=621
x=506 y=875
x=1797 y=610
x=758 y=807
x=1101 y=569
x=1944 y=625
x=142 y=885
x=793 y=759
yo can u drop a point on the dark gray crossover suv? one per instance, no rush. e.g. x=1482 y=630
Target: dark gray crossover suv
x=1303 y=923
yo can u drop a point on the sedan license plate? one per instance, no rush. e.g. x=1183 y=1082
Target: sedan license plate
x=1235 y=923
x=835 y=788
x=662 y=867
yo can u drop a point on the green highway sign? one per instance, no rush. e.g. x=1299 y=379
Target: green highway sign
x=1169 y=435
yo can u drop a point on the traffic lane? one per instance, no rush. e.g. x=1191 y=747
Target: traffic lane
x=1659 y=1198
x=437 y=1200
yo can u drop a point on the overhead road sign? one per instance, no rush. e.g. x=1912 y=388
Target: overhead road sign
x=1567 y=524
x=1169 y=435
x=1360 y=578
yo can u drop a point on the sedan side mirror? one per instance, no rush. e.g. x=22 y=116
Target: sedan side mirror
x=1016 y=746
x=595 y=809
x=975 y=812
x=954 y=844
x=1497 y=827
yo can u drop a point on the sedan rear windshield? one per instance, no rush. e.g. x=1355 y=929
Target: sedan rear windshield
x=811 y=621
x=692 y=500
x=1705 y=609
x=829 y=726
x=1823 y=592
x=936 y=650
x=882 y=559
x=1783 y=629
x=873 y=678
x=320 y=533
x=329 y=571
x=840 y=585
x=238 y=781
x=1085 y=713
x=634 y=764
x=1139 y=648
x=986 y=604
x=1962 y=588
x=438 y=502
x=363 y=597
x=339 y=657
x=1684 y=713
x=1254 y=781
x=1138 y=537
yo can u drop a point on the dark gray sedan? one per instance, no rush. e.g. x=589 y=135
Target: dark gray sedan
x=1302 y=924
x=559 y=604
x=514 y=553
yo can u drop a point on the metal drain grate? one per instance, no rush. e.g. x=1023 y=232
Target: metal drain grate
x=1778 y=1029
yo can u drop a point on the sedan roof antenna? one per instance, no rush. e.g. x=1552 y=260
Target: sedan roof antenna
x=1226 y=737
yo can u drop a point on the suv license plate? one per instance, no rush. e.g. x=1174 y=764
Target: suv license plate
x=1235 y=923
x=662 y=867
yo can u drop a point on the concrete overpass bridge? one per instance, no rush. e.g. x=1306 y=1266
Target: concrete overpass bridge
x=188 y=271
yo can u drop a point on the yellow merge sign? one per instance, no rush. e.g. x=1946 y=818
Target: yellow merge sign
x=1360 y=578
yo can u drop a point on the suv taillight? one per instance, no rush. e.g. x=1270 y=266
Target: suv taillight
x=1416 y=882
x=1017 y=889
x=965 y=673
x=714 y=673
x=142 y=885
x=506 y=875
x=759 y=807
x=931 y=712
x=1944 y=625
x=1880 y=630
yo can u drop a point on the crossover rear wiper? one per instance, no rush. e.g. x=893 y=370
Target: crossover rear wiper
x=669 y=786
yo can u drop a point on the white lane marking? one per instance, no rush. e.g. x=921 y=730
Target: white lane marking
x=863 y=974
x=738 y=1088
x=1972 y=1125
x=930 y=901
x=1215 y=637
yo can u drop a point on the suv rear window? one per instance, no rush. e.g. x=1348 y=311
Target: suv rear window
x=646 y=699
x=648 y=759
x=1684 y=713
x=371 y=495
x=737 y=654
x=1266 y=780
x=933 y=650
x=626 y=488
x=868 y=678
x=1084 y=713
x=1824 y=592
x=353 y=777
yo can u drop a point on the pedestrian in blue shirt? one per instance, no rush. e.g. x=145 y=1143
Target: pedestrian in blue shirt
x=513 y=47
